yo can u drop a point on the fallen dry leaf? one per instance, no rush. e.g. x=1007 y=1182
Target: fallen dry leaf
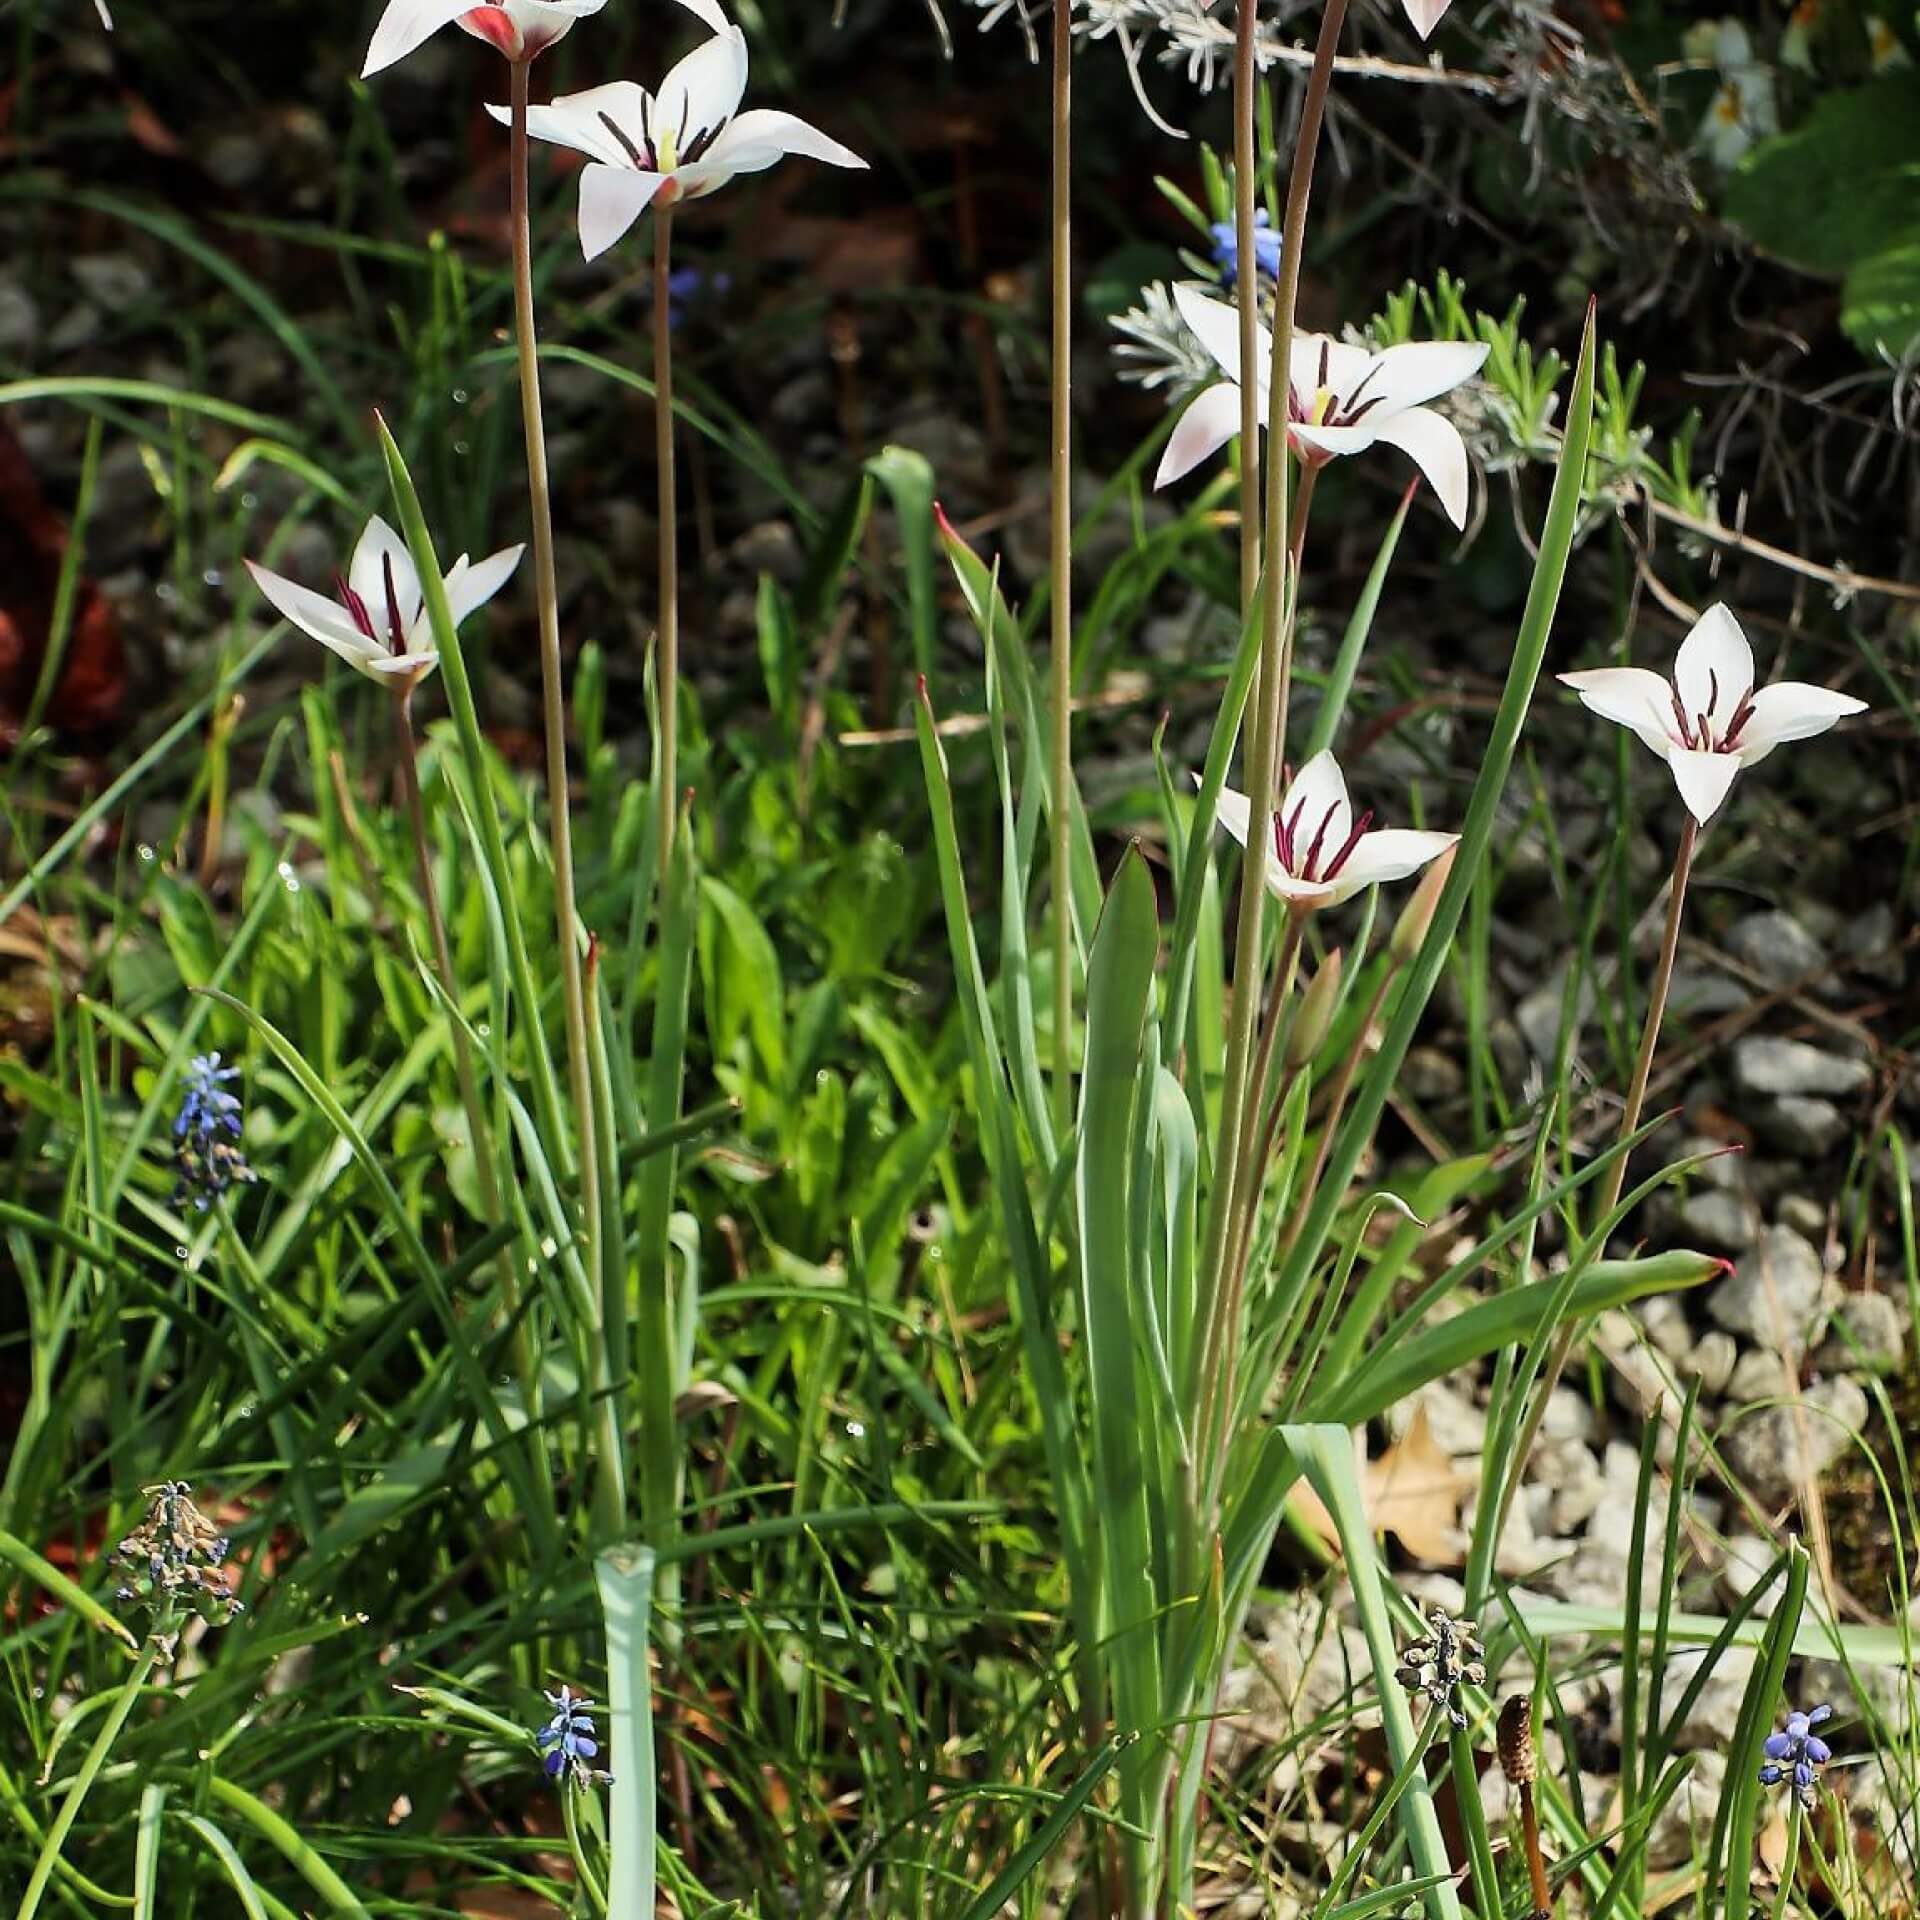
x=1413 y=1490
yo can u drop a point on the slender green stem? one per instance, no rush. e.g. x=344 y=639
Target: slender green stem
x=1060 y=564
x=1629 y=1122
x=83 y=1780
x=485 y=1167
x=667 y=659
x=552 y=685
x=1247 y=293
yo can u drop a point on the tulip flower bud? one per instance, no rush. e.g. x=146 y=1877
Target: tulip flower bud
x=1309 y=1030
x=1410 y=930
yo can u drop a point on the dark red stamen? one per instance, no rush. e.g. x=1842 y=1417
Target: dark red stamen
x=1287 y=829
x=633 y=153
x=1313 y=852
x=1681 y=720
x=1713 y=689
x=355 y=606
x=1742 y=713
x=1347 y=846
x=396 y=631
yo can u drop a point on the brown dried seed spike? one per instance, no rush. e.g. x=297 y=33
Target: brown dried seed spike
x=1516 y=1740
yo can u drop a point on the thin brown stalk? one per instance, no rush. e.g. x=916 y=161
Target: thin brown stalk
x=1247 y=294
x=1629 y=1122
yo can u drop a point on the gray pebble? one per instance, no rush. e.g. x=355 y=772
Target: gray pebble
x=1868 y=1334
x=1765 y=1065
x=1776 y=1297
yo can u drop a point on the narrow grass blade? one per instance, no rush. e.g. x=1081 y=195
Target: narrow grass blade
x=1346 y=663
x=229 y=1857
x=51 y=1580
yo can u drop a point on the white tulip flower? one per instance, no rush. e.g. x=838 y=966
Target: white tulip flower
x=521 y=29
x=378 y=622
x=1318 y=853
x=1341 y=399
x=1425 y=15
x=682 y=143
x=1712 y=719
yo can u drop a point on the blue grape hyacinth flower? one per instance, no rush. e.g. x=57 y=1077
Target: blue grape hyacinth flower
x=1797 y=1754
x=206 y=1161
x=568 y=1740
x=1226 y=248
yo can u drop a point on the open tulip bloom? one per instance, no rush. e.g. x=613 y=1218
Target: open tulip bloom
x=521 y=29
x=378 y=621
x=1340 y=399
x=1318 y=852
x=682 y=143
x=1711 y=719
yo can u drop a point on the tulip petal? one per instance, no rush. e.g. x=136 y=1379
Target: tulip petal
x=1629 y=697
x=367 y=575
x=701 y=93
x=763 y=135
x=404 y=25
x=1425 y=15
x=1420 y=370
x=1791 y=710
x=1210 y=421
x=1316 y=807
x=708 y=13
x=574 y=120
x=1233 y=811
x=1391 y=854
x=1438 y=451
x=1216 y=325
x=1703 y=778
x=412 y=666
x=1333 y=440
x=611 y=200
x=471 y=587
x=1713 y=669
x=314 y=614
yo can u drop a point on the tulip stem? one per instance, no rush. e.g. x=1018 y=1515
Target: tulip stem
x=1617 y=1174
x=667 y=659
x=463 y=1068
x=1247 y=294
x=1060 y=557
x=554 y=702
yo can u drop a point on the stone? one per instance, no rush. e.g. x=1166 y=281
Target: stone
x=112 y=281
x=235 y=159
x=1744 y=1565
x=1785 y=1447
x=1572 y=1479
x=1433 y=1076
x=1715 y=1712
x=78 y=327
x=1700 y=993
x=1643 y=1383
x=1776 y=1296
x=1665 y=1320
x=1682 y=1828
x=19 y=319
x=1776 y=947
x=1885 y=1693
x=1868 y=1334
x=1806 y=1217
x=1569 y=1416
x=1762 y=1064
x=1758 y=1376
x=1538 y=1015
x=1718 y=1222
x=1802 y=1124
x=1712 y=1359
x=1871 y=940
x=1456 y=1424
x=771 y=547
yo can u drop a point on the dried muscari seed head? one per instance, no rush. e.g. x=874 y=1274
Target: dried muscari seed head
x=1515 y=1739
x=1448 y=1657
x=175 y=1559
